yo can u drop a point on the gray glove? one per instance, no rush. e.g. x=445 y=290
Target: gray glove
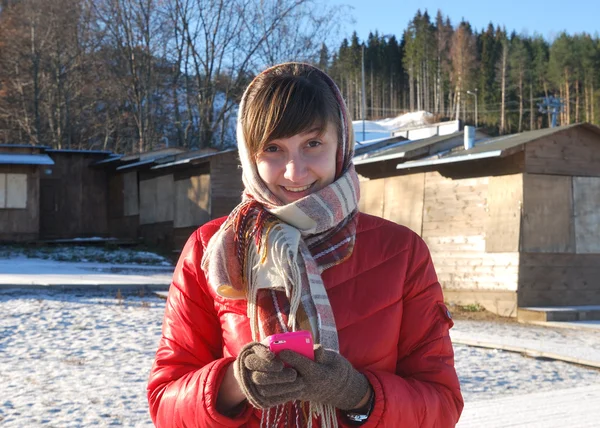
x=263 y=378
x=329 y=379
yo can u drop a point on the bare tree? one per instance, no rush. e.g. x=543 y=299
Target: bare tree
x=228 y=41
x=134 y=32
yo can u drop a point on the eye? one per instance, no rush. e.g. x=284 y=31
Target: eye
x=314 y=143
x=270 y=149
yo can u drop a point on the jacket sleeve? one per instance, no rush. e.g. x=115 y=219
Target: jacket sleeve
x=188 y=367
x=424 y=391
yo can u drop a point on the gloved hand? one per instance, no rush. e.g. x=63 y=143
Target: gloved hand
x=329 y=379
x=264 y=380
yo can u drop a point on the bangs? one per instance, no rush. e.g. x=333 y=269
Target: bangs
x=291 y=106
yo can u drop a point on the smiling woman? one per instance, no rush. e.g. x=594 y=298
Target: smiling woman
x=296 y=255
x=295 y=167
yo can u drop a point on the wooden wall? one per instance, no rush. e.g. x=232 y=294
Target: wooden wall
x=22 y=224
x=457 y=224
x=225 y=184
x=464 y=222
x=559 y=279
x=73 y=197
x=192 y=201
x=123 y=206
x=398 y=199
x=560 y=259
x=573 y=152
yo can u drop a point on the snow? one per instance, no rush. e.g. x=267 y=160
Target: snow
x=85 y=266
x=79 y=355
x=80 y=358
x=73 y=360
x=377 y=129
x=39 y=272
x=573 y=407
x=79 y=253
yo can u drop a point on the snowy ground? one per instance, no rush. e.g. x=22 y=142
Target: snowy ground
x=84 y=254
x=72 y=359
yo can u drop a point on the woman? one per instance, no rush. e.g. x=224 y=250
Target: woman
x=297 y=255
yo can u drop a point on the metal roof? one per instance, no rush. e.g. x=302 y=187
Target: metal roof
x=75 y=151
x=24 y=159
x=377 y=144
x=110 y=159
x=406 y=149
x=135 y=164
x=496 y=147
x=21 y=146
x=192 y=158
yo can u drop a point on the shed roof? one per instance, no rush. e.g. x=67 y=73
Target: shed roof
x=411 y=149
x=192 y=158
x=75 y=151
x=21 y=146
x=25 y=159
x=496 y=147
x=112 y=158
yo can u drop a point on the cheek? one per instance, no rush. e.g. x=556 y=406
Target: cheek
x=327 y=168
x=268 y=170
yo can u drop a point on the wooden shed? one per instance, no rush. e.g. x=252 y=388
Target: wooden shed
x=512 y=222
x=165 y=198
x=20 y=169
x=74 y=196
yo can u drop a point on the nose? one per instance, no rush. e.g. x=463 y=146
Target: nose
x=296 y=169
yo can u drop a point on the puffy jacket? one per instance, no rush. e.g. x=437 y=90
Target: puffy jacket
x=391 y=319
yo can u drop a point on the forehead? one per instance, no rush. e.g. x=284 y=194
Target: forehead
x=328 y=133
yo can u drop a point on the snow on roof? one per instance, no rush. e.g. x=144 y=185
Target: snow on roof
x=377 y=129
x=24 y=159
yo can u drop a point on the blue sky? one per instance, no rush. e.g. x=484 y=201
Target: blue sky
x=545 y=17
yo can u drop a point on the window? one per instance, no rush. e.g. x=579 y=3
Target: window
x=13 y=191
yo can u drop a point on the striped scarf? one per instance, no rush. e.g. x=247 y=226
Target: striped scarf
x=273 y=255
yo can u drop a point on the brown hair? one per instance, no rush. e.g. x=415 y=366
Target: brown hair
x=287 y=100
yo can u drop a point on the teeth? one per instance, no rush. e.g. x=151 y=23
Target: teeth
x=297 y=189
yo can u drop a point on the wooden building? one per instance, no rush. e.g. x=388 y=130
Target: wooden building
x=512 y=222
x=73 y=196
x=20 y=169
x=165 y=197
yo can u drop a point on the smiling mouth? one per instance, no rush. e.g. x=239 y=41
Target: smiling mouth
x=298 y=189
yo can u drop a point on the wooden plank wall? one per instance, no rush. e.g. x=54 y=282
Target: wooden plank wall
x=120 y=225
x=559 y=279
x=455 y=216
x=548 y=214
x=157 y=200
x=225 y=184
x=574 y=152
x=22 y=224
x=78 y=205
x=505 y=202
x=398 y=199
x=560 y=259
x=131 y=204
x=586 y=205
x=192 y=201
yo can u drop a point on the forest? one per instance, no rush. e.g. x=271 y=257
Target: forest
x=137 y=75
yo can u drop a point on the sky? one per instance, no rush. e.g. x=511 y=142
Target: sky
x=545 y=17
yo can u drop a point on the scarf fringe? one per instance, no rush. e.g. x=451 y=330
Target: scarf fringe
x=325 y=414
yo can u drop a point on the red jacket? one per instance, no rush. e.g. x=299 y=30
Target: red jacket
x=392 y=325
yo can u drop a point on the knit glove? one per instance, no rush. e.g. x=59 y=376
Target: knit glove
x=264 y=379
x=329 y=379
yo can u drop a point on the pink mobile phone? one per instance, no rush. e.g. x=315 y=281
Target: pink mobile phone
x=297 y=341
